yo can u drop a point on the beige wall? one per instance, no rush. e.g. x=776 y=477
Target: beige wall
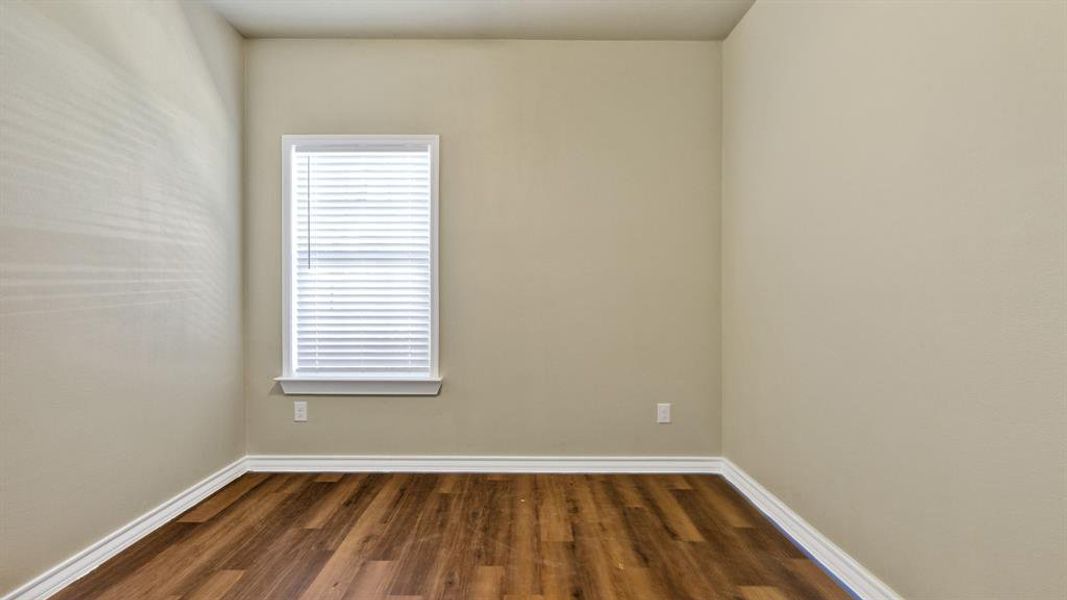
x=894 y=261
x=579 y=241
x=120 y=338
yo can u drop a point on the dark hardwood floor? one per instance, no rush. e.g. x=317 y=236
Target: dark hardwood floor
x=427 y=536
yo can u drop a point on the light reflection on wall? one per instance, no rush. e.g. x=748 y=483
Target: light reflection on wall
x=118 y=174
x=120 y=285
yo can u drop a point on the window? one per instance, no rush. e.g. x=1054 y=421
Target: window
x=360 y=261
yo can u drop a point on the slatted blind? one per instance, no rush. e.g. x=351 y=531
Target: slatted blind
x=361 y=261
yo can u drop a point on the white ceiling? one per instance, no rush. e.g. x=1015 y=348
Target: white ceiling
x=495 y=19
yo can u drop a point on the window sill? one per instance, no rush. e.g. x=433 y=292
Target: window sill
x=311 y=386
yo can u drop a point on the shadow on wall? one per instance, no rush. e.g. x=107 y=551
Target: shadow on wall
x=127 y=176
x=120 y=289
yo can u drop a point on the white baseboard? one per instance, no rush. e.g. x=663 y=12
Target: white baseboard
x=835 y=560
x=846 y=569
x=68 y=571
x=486 y=464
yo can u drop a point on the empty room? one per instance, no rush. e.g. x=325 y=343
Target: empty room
x=533 y=299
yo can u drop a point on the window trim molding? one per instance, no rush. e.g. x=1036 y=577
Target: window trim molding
x=343 y=384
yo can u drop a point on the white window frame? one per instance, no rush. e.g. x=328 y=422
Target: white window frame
x=334 y=385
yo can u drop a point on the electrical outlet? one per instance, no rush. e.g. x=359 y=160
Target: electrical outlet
x=300 y=411
x=663 y=412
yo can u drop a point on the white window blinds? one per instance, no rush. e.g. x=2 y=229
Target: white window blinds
x=362 y=258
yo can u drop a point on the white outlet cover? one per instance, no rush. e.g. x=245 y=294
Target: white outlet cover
x=300 y=411
x=663 y=412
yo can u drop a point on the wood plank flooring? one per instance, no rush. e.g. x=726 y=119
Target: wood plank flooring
x=426 y=536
